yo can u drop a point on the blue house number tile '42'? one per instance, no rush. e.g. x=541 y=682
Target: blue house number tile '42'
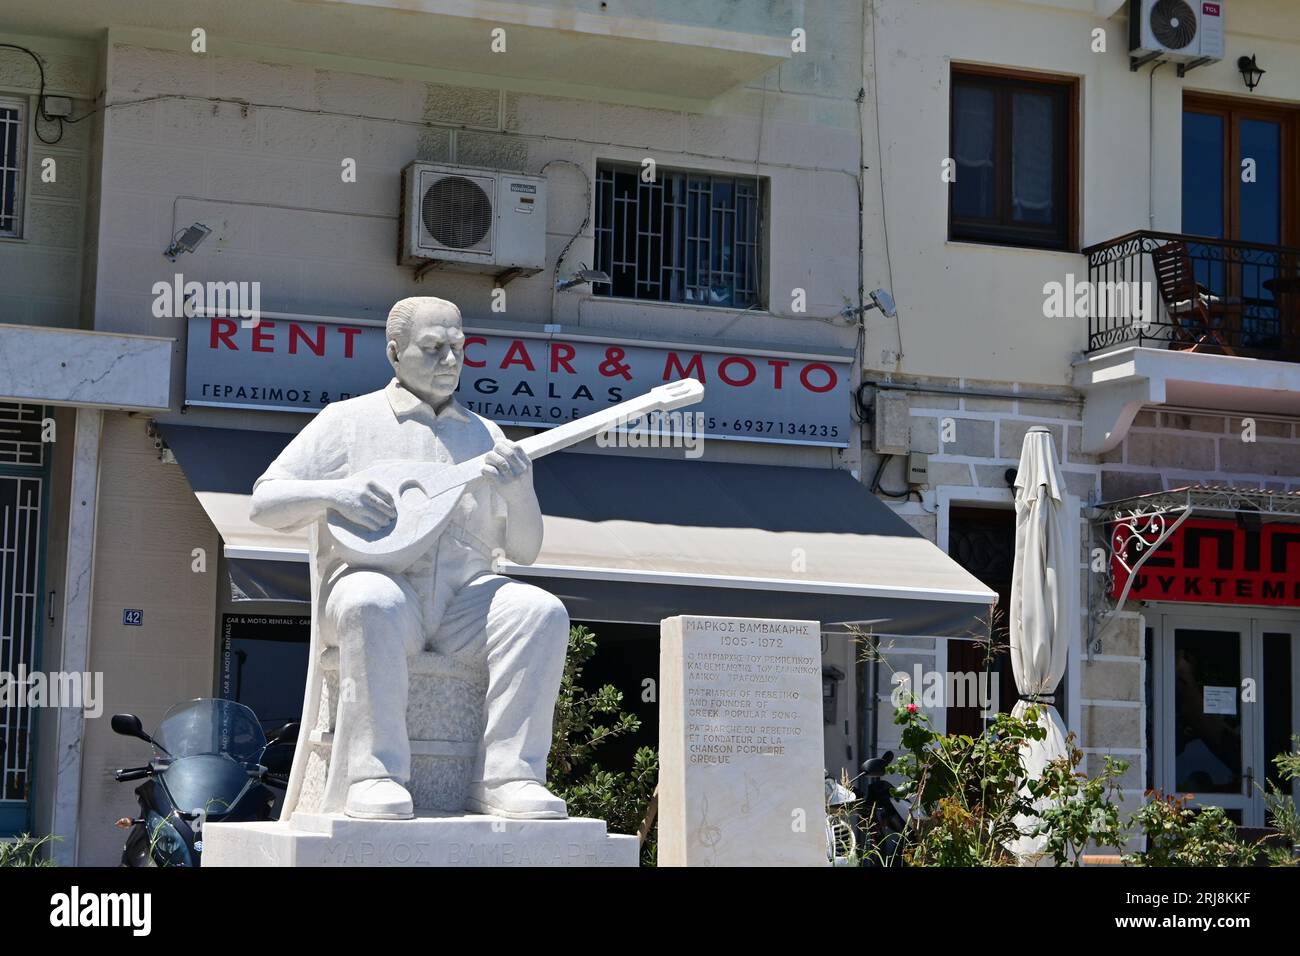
x=133 y=616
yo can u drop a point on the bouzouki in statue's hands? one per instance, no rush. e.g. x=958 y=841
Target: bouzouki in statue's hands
x=425 y=494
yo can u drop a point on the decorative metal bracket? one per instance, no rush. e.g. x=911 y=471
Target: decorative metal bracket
x=1132 y=530
x=1133 y=534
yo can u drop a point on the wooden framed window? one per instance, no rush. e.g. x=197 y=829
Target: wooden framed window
x=1240 y=184
x=1220 y=135
x=1014 y=141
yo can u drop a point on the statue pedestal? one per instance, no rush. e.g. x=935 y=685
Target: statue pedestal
x=431 y=839
x=444 y=722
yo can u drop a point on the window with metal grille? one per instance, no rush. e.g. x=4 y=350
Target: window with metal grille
x=686 y=237
x=11 y=161
x=20 y=434
x=20 y=524
x=23 y=473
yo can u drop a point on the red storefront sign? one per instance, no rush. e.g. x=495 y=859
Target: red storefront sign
x=1208 y=561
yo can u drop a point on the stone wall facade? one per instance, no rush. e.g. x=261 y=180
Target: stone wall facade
x=974 y=439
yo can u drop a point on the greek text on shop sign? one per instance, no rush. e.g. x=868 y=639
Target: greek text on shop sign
x=298 y=363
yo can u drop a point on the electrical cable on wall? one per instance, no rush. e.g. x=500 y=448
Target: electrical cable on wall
x=39 y=113
x=865 y=414
x=1151 y=145
x=861 y=410
x=880 y=150
x=875 y=481
x=586 y=205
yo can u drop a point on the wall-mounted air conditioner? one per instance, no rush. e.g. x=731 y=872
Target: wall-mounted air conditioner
x=1186 y=32
x=479 y=220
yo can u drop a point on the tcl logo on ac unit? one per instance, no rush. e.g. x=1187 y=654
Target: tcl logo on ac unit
x=1189 y=32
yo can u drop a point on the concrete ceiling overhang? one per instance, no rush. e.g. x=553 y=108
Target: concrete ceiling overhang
x=1117 y=384
x=686 y=57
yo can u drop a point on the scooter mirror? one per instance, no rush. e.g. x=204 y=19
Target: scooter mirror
x=128 y=725
x=288 y=732
x=877 y=766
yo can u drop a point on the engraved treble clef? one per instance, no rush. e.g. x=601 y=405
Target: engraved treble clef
x=706 y=834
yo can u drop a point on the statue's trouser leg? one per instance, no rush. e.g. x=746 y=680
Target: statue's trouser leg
x=521 y=632
x=375 y=620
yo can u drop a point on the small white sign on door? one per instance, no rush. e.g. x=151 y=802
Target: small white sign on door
x=1219 y=700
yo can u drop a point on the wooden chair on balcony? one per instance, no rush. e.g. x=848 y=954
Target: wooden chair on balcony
x=1199 y=317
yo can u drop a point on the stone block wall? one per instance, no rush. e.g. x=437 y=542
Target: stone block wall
x=1166 y=448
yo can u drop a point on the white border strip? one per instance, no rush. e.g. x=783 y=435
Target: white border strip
x=746 y=583
x=250 y=553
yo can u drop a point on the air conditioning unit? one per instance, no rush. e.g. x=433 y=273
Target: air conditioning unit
x=1186 y=32
x=477 y=220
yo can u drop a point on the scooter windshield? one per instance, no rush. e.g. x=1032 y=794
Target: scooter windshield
x=208 y=726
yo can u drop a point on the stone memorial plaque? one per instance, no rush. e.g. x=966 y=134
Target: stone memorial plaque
x=740 y=743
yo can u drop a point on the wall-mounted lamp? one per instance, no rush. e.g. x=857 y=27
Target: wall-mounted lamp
x=1250 y=71
x=187 y=240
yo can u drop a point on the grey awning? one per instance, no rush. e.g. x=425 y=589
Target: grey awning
x=636 y=539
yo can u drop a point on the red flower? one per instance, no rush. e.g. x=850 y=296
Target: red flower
x=911 y=708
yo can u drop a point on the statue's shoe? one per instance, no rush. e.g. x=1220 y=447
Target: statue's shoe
x=384 y=799
x=518 y=800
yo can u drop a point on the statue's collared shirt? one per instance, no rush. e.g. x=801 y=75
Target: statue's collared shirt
x=393 y=424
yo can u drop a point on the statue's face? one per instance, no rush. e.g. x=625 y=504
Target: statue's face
x=428 y=363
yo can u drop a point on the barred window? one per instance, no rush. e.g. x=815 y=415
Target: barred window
x=11 y=156
x=686 y=237
x=20 y=434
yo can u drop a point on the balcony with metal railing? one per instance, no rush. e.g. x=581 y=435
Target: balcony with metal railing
x=1188 y=321
x=1166 y=290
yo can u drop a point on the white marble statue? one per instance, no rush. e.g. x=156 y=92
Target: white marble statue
x=448 y=600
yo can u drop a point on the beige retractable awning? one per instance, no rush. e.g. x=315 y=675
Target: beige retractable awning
x=228 y=512
x=638 y=539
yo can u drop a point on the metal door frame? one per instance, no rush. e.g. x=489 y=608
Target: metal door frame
x=1250 y=623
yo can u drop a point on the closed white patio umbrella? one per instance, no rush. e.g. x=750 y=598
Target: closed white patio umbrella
x=1044 y=583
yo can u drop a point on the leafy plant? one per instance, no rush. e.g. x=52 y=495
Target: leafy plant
x=25 y=850
x=584 y=722
x=1178 y=835
x=966 y=791
x=1282 y=810
x=1075 y=809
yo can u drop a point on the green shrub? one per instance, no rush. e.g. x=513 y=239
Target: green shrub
x=1077 y=810
x=1178 y=835
x=583 y=723
x=966 y=791
x=1282 y=812
x=25 y=850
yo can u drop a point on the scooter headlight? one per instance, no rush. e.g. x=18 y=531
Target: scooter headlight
x=166 y=844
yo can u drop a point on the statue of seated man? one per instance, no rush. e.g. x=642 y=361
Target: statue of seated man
x=449 y=600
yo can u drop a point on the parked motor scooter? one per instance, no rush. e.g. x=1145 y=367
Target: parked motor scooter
x=882 y=823
x=206 y=768
x=841 y=822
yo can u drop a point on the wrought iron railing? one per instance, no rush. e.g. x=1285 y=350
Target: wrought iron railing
x=1247 y=302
